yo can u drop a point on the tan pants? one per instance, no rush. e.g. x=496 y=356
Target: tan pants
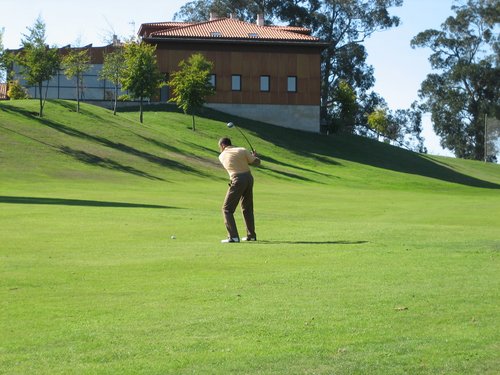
x=240 y=190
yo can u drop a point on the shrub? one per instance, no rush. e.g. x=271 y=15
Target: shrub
x=17 y=91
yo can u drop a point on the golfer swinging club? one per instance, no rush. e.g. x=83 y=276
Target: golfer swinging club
x=236 y=161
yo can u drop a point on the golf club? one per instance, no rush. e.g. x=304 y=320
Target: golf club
x=231 y=125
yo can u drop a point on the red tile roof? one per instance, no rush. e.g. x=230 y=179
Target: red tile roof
x=228 y=29
x=147 y=28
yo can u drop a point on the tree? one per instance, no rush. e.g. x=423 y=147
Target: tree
x=141 y=76
x=346 y=106
x=40 y=62
x=466 y=85
x=113 y=70
x=408 y=123
x=191 y=84
x=379 y=122
x=345 y=25
x=402 y=128
x=194 y=11
x=247 y=10
x=75 y=64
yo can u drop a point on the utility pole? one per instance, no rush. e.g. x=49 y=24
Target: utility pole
x=485 y=138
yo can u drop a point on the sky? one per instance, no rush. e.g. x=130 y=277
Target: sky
x=398 y=69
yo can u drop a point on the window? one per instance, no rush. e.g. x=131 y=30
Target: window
x=236 y=82
x=253 y=35
x=265 y=83
x=213 y=80
x=292 y=84
x=215 y=34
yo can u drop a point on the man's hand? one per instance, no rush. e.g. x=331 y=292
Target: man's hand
x=256 y=162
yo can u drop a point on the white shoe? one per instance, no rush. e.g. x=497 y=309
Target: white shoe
x=231 y=240
x=249 y=238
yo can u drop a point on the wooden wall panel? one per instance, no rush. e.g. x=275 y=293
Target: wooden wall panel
x=251 y=62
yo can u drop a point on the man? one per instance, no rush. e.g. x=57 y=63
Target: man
x=236 y=161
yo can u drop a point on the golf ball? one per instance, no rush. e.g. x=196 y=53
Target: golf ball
x=172 y=237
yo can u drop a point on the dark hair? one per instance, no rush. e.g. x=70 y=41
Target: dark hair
x=224 y=142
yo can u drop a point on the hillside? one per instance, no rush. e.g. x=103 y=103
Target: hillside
x=95 y=145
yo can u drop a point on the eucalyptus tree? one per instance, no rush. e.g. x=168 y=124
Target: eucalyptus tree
x=246 y=10
x=466 y=84
x=344 y=25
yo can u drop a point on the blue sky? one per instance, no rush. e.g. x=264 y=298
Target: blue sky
x=399 y=70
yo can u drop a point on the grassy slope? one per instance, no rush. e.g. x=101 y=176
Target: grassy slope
x=371 y=260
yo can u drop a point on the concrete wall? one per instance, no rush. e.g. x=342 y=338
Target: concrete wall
x=301 y=117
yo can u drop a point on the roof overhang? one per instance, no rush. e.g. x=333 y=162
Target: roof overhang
x=243 y=41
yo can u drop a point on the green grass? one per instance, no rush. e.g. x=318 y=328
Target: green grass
x=370 y=259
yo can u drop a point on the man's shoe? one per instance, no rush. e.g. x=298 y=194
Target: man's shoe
x=249 y=238
x=231 y=240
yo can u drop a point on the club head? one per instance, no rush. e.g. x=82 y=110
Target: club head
x=230 y=125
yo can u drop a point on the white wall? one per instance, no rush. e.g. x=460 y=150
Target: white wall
x=61 y=87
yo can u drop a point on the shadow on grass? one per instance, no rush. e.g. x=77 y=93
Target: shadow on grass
x=304 y=144
x=71 y=107
x=91 y=159
x=282 y=174
x=76 y=202
x=313 y=242
x=352 y=148
x=194 y=158
x=273 y=160
x=21 y=111
x=162 y=145
x=167 y=163
x=211 y=151
x=151 y=107
x=107 y=163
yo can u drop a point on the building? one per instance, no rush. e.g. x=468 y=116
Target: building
x=267 y=73
x=60 y=87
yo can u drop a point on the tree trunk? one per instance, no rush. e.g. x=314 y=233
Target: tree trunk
x=77 y=94
x=140 y=110
x=480 y=136
x=41 y=99
x=116 y=100
x=325 y=84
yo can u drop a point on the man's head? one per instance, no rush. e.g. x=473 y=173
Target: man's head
x=223 y=143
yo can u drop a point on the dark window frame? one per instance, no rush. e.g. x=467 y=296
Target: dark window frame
x=268 y=83
x=295 y=89
x=233 y=76
x=214 y=78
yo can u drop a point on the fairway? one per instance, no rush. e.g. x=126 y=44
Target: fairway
x=370 y=259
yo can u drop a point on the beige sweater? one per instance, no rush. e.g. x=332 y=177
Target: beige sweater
x=236 y=160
